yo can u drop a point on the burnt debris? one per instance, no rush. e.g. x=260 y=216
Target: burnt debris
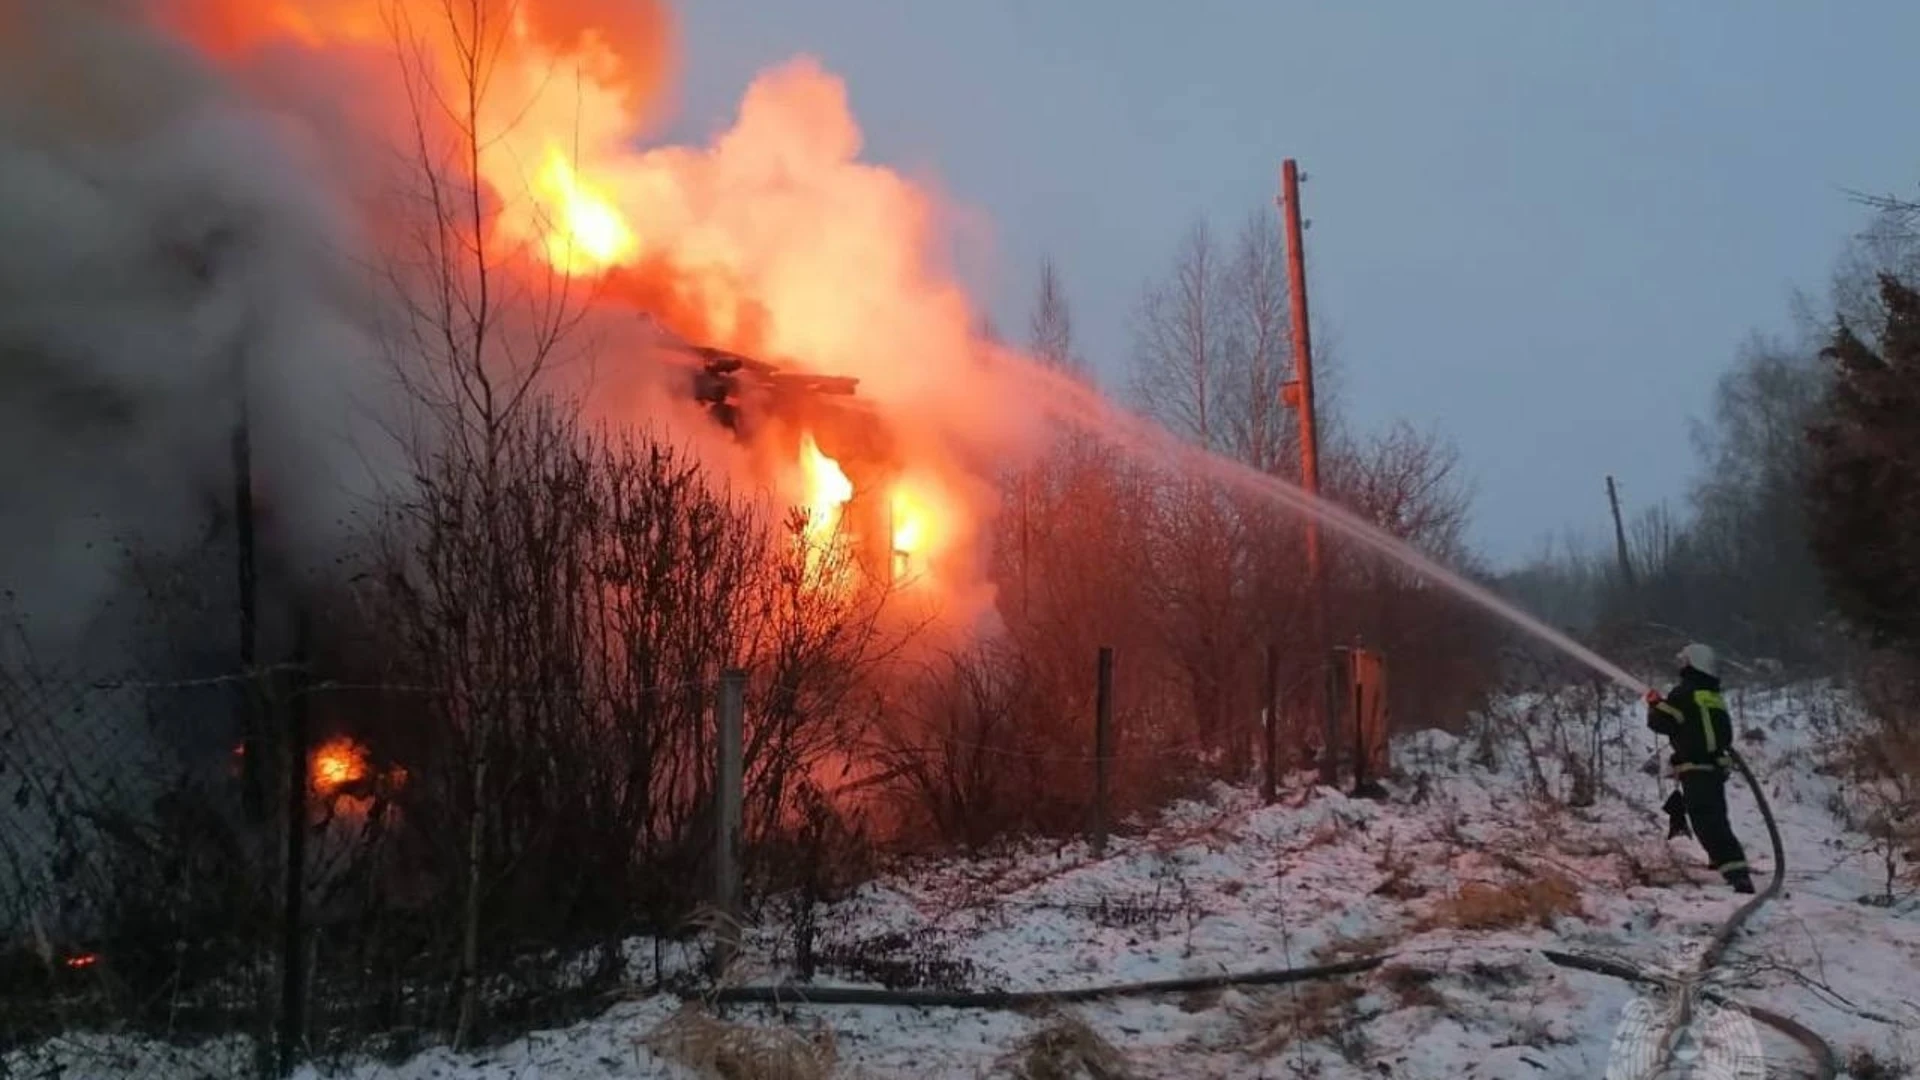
x=732 y=387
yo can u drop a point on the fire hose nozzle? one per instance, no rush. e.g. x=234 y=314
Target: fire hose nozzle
x=1652 y=696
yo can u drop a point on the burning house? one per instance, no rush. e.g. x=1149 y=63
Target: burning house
x=848 y=456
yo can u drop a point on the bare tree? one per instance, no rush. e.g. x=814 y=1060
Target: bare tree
x=1050 y=337
x=1180 y=351
x=1408 y=482
x=478 y=336
x=1050 y=332
x=634 y=582
x=1659 y=538
x=1194 y=534
x=1890 y=243
x=1260 y=428
x=1751 y=526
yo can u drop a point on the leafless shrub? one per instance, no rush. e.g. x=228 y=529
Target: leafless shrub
x=563 y=624
x=1192 y=583
x=974 y=756
x=1878 y=760
x=818 y=860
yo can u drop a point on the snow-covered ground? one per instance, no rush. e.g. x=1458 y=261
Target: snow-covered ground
x=1464 y=875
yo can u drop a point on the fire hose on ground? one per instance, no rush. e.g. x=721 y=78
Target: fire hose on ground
x=1826 y=1063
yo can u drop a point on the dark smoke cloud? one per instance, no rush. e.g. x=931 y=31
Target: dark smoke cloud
x=157 y=236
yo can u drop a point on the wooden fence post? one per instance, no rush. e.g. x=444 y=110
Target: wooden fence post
x=1358 y=668
x=727 y=819
x=1102 y=746
x=1370 y=723
x=1334 y=687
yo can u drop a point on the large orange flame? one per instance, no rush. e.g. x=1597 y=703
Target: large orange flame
x=585 y=233
x=827 y=489
x=913 y=525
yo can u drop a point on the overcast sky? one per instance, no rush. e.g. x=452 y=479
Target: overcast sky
x=1541 y=228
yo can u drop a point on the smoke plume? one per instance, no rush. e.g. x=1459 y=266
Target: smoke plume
x=160 y=248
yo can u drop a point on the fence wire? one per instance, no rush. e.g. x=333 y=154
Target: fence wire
x=269 y=868
x=134 y=893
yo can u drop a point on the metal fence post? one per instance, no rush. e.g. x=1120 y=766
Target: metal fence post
x=1102 y=746
x=1333 y=686
x=1270 y=722
x=293 y=705
x=727 y=819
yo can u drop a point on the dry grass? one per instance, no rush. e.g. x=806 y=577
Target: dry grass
x=1066 y=1049
x=717 y=1050
x=1480 y=905
x=1308 y=1012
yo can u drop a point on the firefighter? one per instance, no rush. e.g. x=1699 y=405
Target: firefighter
x=1694 y=718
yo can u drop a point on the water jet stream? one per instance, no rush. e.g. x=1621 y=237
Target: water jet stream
x=1075 y=404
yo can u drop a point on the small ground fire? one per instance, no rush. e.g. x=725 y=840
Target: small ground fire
x=335 y=764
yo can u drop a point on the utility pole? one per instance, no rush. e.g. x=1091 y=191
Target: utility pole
x=1299 y=394
x=1620 y=535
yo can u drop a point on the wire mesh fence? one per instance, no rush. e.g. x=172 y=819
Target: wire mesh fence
x=233 y=862
x=134 y=862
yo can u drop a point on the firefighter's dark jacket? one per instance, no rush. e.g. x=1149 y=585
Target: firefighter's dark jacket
x=1695 y=721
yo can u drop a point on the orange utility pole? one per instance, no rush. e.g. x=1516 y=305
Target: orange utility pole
x=1299 y=394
